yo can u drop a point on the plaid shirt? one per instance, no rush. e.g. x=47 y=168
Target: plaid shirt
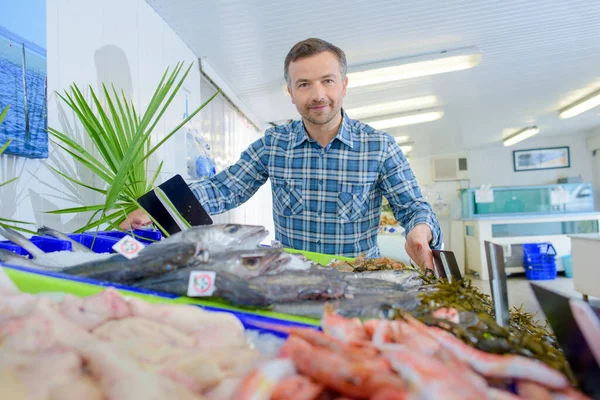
x=325 y=200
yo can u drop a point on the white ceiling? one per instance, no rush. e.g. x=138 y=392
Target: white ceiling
x=538 y=56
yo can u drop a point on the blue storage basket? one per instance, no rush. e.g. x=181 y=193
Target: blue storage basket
x=539 y=261
x=97 y=243
x=10 y=246
x=145 y=236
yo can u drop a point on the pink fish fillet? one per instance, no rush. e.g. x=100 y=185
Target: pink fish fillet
x=224 y=329
x=93 y=311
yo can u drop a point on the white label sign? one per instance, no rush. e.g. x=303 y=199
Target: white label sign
x=484 y=196
x=201 y=283
x=559 y=197
x=128 y=247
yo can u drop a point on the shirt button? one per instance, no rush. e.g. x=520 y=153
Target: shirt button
x=319 y=212
x=319 y=241
x=321 y=182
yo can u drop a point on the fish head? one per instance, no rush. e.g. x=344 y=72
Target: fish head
x=252 y=263
x=222 y=236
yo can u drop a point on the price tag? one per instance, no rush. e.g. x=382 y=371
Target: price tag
x=559 y=197
x=201 y=283
x=128 y=247
x=484 y=196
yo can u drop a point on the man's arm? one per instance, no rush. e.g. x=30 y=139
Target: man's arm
x=233 y=186
x=400 y=187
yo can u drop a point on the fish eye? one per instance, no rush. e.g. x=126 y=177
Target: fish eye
x=250 y=262
x=231 y=228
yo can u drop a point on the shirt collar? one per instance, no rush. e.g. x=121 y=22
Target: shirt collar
x=344 y=134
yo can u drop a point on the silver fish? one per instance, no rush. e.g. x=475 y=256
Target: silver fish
x=291 y=286
x=75 y=246
x=404 y=277
x=221 y=238
x=8 y=257
x=366 y=286
x=367 y=306
x=232 y=270
x=22 y=241
x=151 y=261
x=243 y=263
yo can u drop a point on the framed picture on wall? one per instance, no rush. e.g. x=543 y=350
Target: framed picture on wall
x=546 y=158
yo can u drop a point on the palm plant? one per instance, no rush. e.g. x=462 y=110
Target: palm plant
x=122 y=138
x=5 y=222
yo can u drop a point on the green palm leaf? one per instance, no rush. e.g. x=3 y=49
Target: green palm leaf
x=121 y=137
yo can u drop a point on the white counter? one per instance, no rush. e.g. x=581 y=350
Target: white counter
x=585 y=251
x=477 y=231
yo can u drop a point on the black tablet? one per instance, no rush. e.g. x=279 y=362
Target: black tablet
x=179 y=193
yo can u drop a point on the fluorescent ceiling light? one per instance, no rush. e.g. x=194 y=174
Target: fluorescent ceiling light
x=393 y=120
x=521 y=135
x=581 y=106
x=413 y=67
x=406 y=148
x=392 y=107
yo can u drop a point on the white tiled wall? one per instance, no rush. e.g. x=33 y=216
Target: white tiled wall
x=123 y=42
x=112 y=41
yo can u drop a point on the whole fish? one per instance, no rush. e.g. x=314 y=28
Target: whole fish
x=367 y=306
x=290 y=286
x=228 y=285
x=220 y=238
x=151 y=261
x=8 y=257
x=367 y=286
x=22 y=241
x=242 y=263
x=75 y=246
x=405 y=277
x=260 y=290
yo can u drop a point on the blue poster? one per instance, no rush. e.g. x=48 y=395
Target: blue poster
x=23 y=80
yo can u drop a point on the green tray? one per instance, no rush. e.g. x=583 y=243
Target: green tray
x=320 y=258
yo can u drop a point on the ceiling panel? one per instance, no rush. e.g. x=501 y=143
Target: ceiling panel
x=537 y=56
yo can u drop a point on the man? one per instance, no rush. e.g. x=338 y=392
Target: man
x=328 y=172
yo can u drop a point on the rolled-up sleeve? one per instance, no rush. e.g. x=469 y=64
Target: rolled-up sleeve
x=401 y=189
x=234 y=185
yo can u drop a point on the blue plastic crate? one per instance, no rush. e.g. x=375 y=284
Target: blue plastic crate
x=145 y=236
x=10 y=246
x=97 y=243
x=539 y=261
x=46 y=244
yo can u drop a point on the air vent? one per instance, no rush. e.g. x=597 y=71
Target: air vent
x=449 y=168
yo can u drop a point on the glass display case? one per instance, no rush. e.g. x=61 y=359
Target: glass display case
x=530 y=200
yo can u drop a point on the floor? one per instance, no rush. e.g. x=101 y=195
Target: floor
x=520 y=293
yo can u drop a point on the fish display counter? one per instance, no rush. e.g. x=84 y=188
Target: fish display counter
x=297 y=310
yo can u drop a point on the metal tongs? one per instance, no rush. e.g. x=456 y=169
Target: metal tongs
x=495 y=263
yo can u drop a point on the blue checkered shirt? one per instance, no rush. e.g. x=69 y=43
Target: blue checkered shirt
x=325 y=200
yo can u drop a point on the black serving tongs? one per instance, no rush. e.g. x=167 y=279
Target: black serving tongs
x=445 y=265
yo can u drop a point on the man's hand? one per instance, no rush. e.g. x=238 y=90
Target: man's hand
x=136 y=220
x=417 y=246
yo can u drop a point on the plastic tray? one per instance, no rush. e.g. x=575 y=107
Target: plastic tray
x=320 y=258
x=98 y=243
x=46 y=244
x=145 y=236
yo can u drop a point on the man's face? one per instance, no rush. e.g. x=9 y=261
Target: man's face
x=316 y=87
